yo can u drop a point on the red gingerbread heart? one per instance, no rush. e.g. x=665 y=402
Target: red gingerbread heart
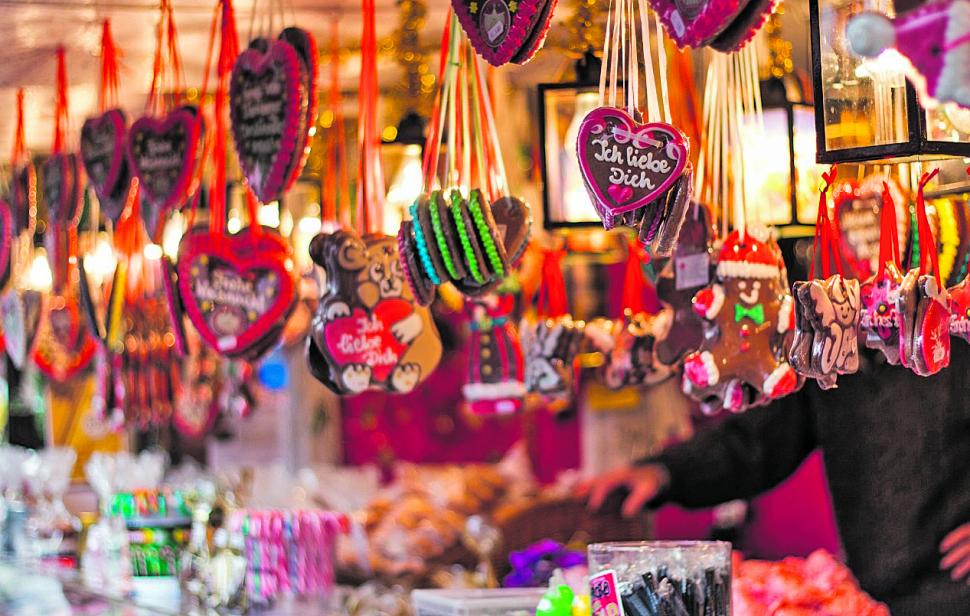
x=368 y=338
x=64 y=348
x=504 y=31
x=267 y=105
x=695 y=23
x=103 y=152
x=627 y=165
x=236 y=289
x=163 y=155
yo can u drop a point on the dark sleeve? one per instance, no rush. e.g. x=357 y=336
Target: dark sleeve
x=741 y=457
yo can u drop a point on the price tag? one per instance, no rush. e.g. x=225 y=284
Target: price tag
x=692 y=271
x=604 y=596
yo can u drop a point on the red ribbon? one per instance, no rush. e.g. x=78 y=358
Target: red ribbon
x=825 y=235
x=108 y=92
x=552 y=290
x=166 y=40
x=370 y=189
x=633 y=285
x=889 y=233
x=60 y=103
x=929 y=260
x=228 y=51
x=433 y=143
x=19 y=154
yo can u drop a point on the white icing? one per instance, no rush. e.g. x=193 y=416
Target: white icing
x=493 y=391
x=747 y=269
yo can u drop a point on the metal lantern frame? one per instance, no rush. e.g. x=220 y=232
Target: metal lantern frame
x=917 y=144
x=548 y=220
x=776 y=95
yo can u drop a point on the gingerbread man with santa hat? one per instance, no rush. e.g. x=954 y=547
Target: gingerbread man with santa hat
x=748 y=318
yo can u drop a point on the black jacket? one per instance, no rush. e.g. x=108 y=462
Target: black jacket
x=897 y=455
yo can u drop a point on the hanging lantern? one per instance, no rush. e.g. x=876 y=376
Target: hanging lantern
x=402 y=153
x=562 y=107
x=866 y=108
x=781 y=175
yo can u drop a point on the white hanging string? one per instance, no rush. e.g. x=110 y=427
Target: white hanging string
x=662 y=65
x=604 y=67
x=733 y=119
x=627 y=43
x=653 y=105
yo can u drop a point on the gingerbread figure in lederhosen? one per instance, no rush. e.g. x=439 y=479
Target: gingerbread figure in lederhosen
x=494 y=383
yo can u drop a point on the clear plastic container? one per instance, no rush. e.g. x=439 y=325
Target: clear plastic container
x=690 y=578
x=496 y=602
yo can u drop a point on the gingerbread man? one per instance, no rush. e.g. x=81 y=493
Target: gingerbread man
x=747 y=316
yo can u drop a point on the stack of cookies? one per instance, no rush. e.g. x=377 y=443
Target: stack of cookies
x=466 y=241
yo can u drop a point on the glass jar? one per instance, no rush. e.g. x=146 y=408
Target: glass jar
x=691 y=578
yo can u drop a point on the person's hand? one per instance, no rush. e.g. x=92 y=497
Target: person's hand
x=955 y=548
x=643 y=482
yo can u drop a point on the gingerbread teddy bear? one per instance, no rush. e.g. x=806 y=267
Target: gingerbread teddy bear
x=748 y=318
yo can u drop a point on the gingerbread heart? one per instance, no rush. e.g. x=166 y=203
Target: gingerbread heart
x=513 y=218
x=306 y=51
x=267 y=108
x=163 y=155
x=362 y=338
x=236 y=289
x=22 y=312
x=368 y=330
x=503 y=31
x=103 y=152
x=23 y=198
x=62 y=191
x=64 y=347
x=695 y=23
x=627 y=165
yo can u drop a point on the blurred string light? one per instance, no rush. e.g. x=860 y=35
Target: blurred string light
x=100 y=262
x=40 y=277
x=172 y=235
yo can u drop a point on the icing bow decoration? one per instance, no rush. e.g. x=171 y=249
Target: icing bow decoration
x=934 y=38
x=826 y=340
x=755 y=313
x=634 y=163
